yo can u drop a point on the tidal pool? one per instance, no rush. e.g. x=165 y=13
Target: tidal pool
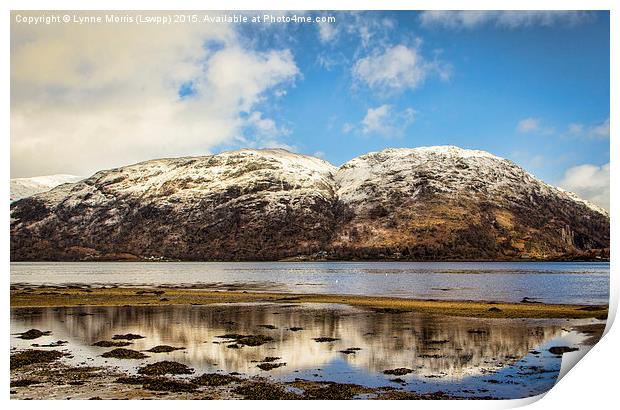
x=498 y=358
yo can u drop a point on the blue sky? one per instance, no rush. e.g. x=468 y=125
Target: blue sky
x=554 y=76
x=532 y=87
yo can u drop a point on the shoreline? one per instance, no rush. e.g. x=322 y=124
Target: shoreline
x=302 y=259
x=75 y=296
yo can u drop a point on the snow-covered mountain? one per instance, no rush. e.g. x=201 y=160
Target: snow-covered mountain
x=430 y=203
x=25 y=187
x=451 y=203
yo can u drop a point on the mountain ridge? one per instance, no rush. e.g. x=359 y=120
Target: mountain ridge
x=426 y=203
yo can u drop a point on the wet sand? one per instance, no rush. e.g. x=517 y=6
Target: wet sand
x=129 y=296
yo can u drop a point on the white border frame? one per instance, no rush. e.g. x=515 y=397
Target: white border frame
x=591 y=384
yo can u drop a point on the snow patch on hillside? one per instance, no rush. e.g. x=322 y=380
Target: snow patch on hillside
x=25 y=187
x=272 y=175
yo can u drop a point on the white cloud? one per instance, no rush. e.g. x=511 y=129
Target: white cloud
x=595 y=131
x=533 y=125
x=375 y=120
x=538 y=161
x=590 y=182
x=396 y=69
x=575 y=128
x=387 y=122
x=507 y=19
x=261 y=132
x=347 y=128
x=368 y=30
x=527 y=125
x=265 y=127
x=326 y=62
x=327 y=31
x=89 y=97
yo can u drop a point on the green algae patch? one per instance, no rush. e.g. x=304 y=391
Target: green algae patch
x=247 y=340
x=265 y=391
x=34 y=356
x=110 y=343
x=33 y=334
x=124 y=354
x=164 y=367
x=215 y=379
x=164 y=349
x=128 y=336
x=401 y=371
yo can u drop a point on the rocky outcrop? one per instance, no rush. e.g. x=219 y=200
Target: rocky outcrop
x=434 y=203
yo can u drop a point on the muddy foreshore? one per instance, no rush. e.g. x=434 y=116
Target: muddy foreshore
x=61 y=382
x=65 y=296
x=41 y=373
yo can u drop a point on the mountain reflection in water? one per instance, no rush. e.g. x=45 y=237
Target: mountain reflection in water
x=445 y=353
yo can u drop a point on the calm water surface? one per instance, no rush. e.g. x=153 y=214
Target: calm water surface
x=551 y=282
x=461 y=356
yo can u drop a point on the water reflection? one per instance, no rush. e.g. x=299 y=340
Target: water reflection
x=443 y=352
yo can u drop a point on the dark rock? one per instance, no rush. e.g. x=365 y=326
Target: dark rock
x=128 y=336
x=165 y=367
x=215 y=379
x=34 y=356
x=270 y=366
x=264 y=391
x=121 y=353
x=401 y=371
x=108 y=343
x=164 y=349
x=562 y=349
x=33 y=334
x=247 y=340
x=325 y=339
